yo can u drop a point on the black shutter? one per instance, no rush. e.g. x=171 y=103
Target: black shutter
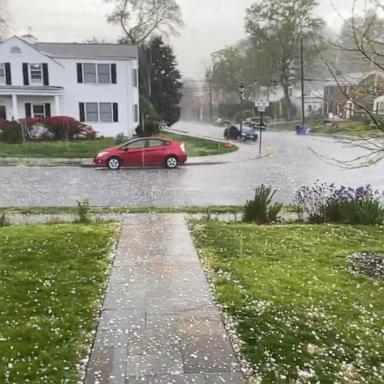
x=82 y=112
x=47 y=110
x=25 y=74
x=115 y=112
x=113 y=74
x=8 y=76
x=79 y=72
x=28 y=110
x=45 y=74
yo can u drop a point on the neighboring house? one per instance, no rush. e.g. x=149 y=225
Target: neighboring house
x=343 y=98
x=313 y=97
x=94 y=83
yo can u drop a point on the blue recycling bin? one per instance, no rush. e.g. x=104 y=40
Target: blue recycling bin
x=301 y=130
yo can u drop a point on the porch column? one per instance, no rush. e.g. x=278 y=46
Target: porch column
x=57 y=105
x=15 y=110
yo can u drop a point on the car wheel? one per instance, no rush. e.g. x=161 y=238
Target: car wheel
x=171 y=162
x=254 y=138
x=114 y=163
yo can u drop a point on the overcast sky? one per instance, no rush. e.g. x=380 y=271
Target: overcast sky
x=209 y=24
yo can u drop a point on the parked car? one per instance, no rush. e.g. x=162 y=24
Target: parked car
x=232 y=133
x=248 y=133
x=144 y=151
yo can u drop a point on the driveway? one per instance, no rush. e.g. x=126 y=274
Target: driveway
x=291 y=164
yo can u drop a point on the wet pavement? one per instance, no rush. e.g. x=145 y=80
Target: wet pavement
x=159 y=323
x=291 y=164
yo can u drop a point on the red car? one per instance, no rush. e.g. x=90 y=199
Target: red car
x=144 y=151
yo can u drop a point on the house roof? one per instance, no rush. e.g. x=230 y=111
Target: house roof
x=349 y=79
x=88 y=51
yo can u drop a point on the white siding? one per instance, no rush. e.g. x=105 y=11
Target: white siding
x=63 y=73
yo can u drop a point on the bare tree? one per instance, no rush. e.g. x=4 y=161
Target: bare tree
x=139 y=19
x=364 y=40
x=4 y=19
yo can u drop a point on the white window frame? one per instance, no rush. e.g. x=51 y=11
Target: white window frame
x=38 y=115
x=99 y=114
x=34 y=81
x=3 y=78
x=83 y=69
x=86 y=112
x=109 y=73
x=111 y=112
x=97 y=78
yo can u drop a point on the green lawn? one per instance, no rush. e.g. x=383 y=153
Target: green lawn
x=89 y=148
x=51 y=282
x=298 y=308
x=59 y=149
x=200 y=147
x=345 y=128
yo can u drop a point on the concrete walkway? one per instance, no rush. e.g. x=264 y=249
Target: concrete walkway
x=159 y=323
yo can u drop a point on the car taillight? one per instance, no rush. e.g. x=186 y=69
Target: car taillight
x=182 y=146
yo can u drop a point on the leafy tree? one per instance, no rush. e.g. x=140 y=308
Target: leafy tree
x=139 y=19
x=165 y=80
x=276 y=28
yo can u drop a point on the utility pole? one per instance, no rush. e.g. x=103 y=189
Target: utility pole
x=302 y=82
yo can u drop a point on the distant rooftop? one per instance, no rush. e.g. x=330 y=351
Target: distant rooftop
x=88 y=51
x=349 y=79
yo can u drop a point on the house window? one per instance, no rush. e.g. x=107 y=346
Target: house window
x=134 y=78
x=38 y=110
x=89 y=73
x=15 y=50
x=135 y=113
x=2 y=74
x=106 y=112
x=36 y=73
x=96 y=73
x=104 y=73
x=99 y=112
x=92 y=112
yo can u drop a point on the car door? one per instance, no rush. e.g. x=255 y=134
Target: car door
x=133 y=154
x=155 y=152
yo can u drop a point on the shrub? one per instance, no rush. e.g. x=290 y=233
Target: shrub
x=312 y=201
x=3 y=220
x=152 y=127
x=261 y=210
x=62 y=127
x=328 y=203
x=121 y=138
x=83 y=211
x=11 y=132
x=243 y=115
x=229 y=111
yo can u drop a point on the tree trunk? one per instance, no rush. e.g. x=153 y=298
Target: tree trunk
x=287 y=99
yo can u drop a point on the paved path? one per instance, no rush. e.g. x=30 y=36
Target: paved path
x=159 y=323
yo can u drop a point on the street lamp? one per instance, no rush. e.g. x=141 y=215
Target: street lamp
x=241 y=89
x=261 y=103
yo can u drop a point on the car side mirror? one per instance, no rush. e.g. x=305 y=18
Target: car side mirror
x=125 y=149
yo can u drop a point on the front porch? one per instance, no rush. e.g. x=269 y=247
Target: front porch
x=22 y=102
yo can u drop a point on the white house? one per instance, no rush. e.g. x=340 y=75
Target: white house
x=94 y=83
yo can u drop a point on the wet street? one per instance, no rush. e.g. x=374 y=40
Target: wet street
x=291 y=164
